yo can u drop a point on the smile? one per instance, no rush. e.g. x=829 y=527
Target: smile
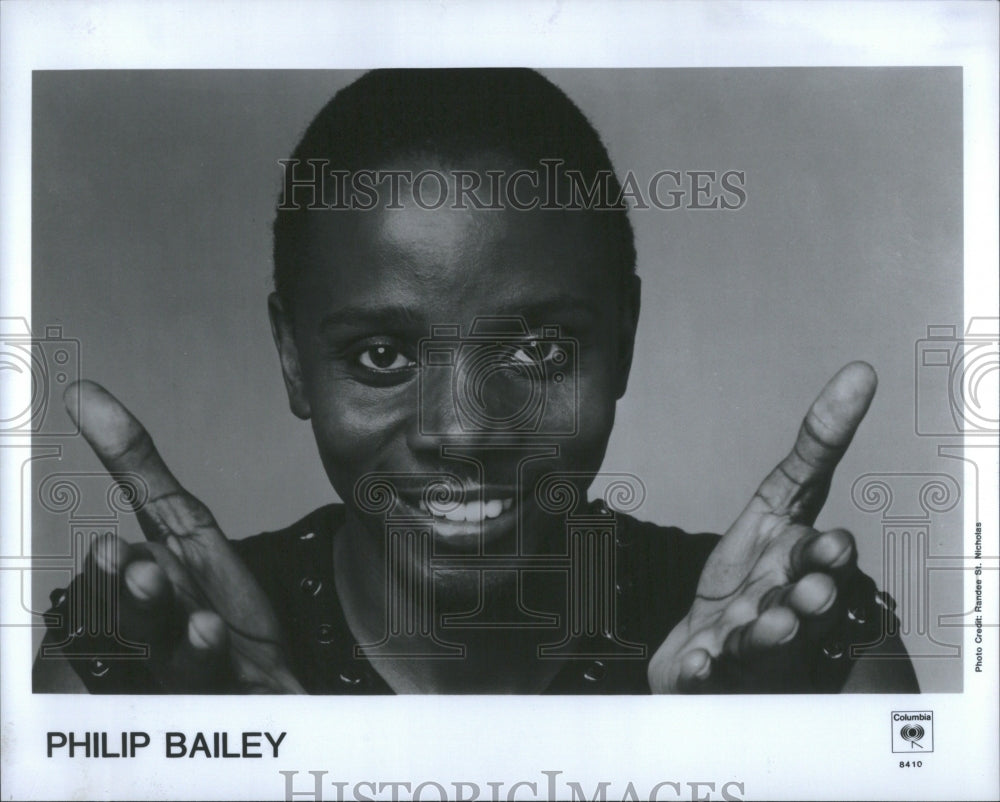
x=465 y=517
x=473 y=511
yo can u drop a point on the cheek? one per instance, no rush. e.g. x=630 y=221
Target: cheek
x=595 y=418
x=357 y=427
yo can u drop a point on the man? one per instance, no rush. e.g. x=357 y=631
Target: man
x=533 y=280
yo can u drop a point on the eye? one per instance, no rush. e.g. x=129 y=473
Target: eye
x=383 y=357
x=537 y=352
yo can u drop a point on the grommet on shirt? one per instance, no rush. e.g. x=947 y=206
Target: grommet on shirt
x=595 y=672
x=325 y=633
x=311 y=586
x=98 y=668
x=833 y=650
x=351 y=678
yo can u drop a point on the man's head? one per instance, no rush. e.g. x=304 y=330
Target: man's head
x=359 y=288
x=513 y=116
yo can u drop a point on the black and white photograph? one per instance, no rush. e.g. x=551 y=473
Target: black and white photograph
x=453 y=393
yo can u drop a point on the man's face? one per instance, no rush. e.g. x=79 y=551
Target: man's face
x=375 y=284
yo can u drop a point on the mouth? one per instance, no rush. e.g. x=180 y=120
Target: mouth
x=474 y=517
x=475 y=511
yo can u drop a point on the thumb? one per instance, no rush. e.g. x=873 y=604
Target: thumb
x=798 y=485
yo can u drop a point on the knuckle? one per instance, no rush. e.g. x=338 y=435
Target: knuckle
x=740 y=611
x=822 y=431
x=179 y=513
x=836 y=547
x=108 y=553
x=774 y=623
x=814 y=594
x=135 y=447
x=145 y=580
x=773 y=597
x=840 y=533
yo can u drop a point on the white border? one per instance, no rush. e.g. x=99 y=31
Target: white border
x=780 y=748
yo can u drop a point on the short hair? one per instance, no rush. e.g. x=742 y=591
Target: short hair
x=392 y=113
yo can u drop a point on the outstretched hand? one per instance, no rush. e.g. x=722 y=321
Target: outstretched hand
x=774 y=588
x=185 y=593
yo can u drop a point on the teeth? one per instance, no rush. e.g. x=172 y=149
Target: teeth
x=474 y=511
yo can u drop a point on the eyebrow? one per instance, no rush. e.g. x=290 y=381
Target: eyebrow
x=393 y=316
x=398 y=317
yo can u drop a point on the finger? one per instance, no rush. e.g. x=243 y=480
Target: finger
x=119 y=440
x=199 y=663
x=833 y=552
x=186 y=592
x=816 y=601
x=774 y=627
x=188 y=655
x=120 y=585
x=125 y=448
x=96 y=598
x=797 y=487
x=813 y=599
x=127 y=594
x=694 y=672
x=812 y=596
x=764 y=655
x=167 y=513
x=146 y=582
x=219 y=579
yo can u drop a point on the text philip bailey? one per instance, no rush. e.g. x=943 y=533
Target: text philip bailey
x=175 y=744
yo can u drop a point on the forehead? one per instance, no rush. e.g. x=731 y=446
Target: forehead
x=451 y=263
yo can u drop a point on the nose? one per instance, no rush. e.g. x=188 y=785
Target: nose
x=436 y=421
x=482 y=393
x=449 y=430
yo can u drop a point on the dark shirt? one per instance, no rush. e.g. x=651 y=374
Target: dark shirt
x=655 y=573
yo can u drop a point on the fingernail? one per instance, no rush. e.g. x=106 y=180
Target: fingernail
x=791 y=635
x=71 y=400
x=142 y=581
x=842 y=558
x=705 y=670
x=828 y=603
x=204 y=631
x=776 y=622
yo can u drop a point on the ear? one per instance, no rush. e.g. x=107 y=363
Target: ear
x=283 y=331
x=628 y=320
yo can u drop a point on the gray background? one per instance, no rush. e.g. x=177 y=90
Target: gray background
x=153 y=199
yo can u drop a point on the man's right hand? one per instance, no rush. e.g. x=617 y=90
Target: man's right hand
x=184 y=592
